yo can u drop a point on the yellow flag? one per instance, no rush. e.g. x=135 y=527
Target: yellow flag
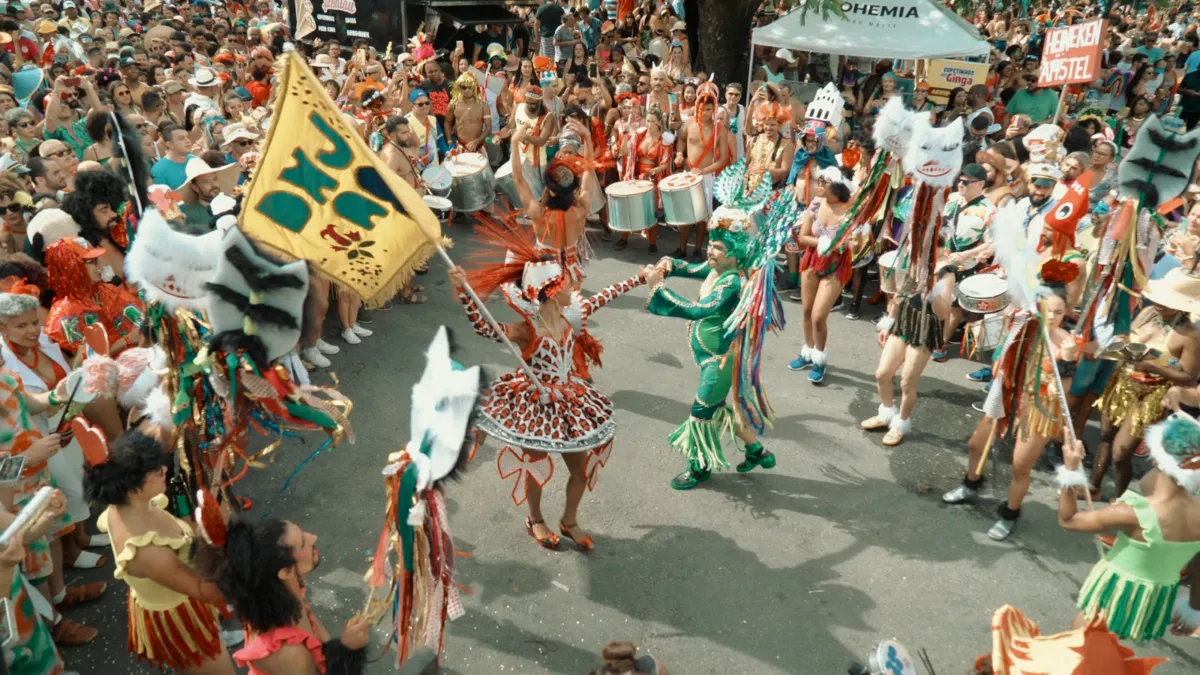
x=321 y=195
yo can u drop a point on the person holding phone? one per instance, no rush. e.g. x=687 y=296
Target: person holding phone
x=32 y=648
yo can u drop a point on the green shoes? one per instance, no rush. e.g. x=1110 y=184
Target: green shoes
x=690 y=478
x=755 y=457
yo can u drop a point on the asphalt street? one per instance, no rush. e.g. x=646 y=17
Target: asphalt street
x=802 y=569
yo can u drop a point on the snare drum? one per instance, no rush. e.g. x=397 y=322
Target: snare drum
x=887 y=272
x=473 y=187
x=441 y=208
x=631 y=206
x=988 y=332
x=891 y=658
x=684 y=200
x=507 y=186
x=983 y=293
x=438 y=179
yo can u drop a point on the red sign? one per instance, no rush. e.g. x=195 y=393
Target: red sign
x=1072 y=54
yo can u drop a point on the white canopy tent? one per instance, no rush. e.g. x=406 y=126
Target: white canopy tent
x=879 y=29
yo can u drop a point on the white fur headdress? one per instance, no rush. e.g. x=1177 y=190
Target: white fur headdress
x=52 y=224
x=1174 y=446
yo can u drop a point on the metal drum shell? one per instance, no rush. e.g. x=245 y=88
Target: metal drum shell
x=474 y=191
x=684 y=205
x=440 y=206
x=989 y=331
x=977 y=301
x=438 y=179
x=507 y=186
x=632 y=212
x=887 y=277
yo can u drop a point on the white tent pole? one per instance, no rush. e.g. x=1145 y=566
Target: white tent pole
x=750 y=70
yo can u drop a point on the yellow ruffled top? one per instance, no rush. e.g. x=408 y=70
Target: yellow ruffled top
x=149 y=594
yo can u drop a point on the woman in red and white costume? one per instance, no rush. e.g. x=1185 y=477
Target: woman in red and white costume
x=646 y=155
x=561 y=413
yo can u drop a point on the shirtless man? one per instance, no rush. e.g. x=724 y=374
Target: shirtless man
x=400 y=151
x=659 y=97
x=468 y=119
x=702 y=152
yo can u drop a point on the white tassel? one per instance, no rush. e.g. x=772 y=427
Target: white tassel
x=158 y=407
x=1070 y=478
x=416 y=515
x=886 y=414
x=1185 y=616
x=819 y=358
x=901 y=425
x=884 y=325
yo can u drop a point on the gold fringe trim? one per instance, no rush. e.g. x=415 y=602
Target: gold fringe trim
x=1034 y=419
x=389 y=289
x=1126 y=398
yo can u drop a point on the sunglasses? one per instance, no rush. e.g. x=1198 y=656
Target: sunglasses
x=968 y=181
x=12 y=208
x=25 y=125
x=422 y=104
x=242 y=143
x=60 y=153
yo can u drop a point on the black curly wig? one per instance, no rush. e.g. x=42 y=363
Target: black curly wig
x=132 y=458
x=91 y=189
x=247 y=569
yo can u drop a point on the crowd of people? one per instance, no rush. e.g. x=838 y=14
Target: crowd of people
x=836 y=183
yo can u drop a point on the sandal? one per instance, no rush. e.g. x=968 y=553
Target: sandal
x=99 y=541
x=81 y=593
x=68 y=633
x=549 y=542
x=584 y=543
x=244 y=503
x=411 y=298
x=86 y=560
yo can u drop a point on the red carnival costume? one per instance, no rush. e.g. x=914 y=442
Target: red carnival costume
x=81 y=302
x=566 y=413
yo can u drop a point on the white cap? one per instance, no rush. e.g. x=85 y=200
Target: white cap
x=68 y=4
x=785 y=55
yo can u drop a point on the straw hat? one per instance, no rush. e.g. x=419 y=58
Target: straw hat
x=1176 y=290
x=227 y=176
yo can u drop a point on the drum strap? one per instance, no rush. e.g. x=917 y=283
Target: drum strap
x=411 y=166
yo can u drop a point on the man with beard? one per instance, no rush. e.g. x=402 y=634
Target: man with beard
x=537 y=126
x=468 y=120
x=174 y=94
x=60 y=154
x=95 y=205
x=261 y=567
x=702 y=152
x=400 y=151
x=1042 y=180
x=438 y=90
x=204 y=183
x=660 y=99
x=47 y=176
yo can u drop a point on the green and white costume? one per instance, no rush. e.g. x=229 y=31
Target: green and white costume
x=699 y=438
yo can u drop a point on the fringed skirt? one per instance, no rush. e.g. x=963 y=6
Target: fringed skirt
x=1135 y=609
x=185 y=636
x=917 y=325
x=1141 y=402
x=838 y=264
x=699 y=438
x=1042 y=416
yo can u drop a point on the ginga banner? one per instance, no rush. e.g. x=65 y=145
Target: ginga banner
x=1072 y=54
x=946 y=75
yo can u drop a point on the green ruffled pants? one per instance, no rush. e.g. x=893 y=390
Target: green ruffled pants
x=699 y=438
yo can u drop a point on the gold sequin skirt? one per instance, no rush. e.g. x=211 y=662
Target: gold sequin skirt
x=1043 y=418
x=1125 y=397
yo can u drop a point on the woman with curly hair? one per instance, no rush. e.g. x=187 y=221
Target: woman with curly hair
x=173 y=612
x=260 y=566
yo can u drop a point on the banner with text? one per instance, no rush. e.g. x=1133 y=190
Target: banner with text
x=1072 y=54
x=945 y=76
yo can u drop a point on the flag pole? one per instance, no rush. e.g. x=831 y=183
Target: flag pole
x=487 y=316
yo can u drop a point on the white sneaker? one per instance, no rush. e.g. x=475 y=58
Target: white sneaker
x=361 y=332
x=349 y=336
x=315 y=357
x=327 y=348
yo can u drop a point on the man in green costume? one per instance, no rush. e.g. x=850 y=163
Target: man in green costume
x=699 y=438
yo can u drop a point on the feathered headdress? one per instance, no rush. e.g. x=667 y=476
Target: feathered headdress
x=519 y=262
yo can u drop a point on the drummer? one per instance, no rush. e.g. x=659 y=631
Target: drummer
x=701 y=151
x=424 y=126
x=537 y=127
x=646 y=157
x=966 y=249
x=400 y=151
x=468 y=120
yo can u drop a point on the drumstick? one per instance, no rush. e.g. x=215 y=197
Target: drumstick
x=487 y=316
x=987 y=448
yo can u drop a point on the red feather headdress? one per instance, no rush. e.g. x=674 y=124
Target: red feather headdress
x=509 y=250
